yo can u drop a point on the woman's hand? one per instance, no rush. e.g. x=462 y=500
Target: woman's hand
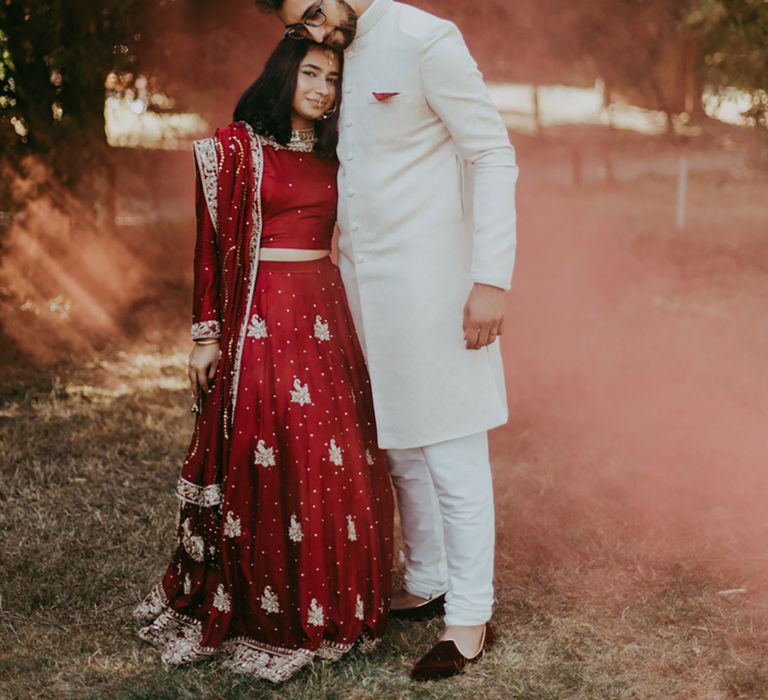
x=201 y=368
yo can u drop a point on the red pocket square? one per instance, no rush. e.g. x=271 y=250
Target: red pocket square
x=384 y=96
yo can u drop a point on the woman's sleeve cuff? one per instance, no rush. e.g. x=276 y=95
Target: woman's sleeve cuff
x=206 y=329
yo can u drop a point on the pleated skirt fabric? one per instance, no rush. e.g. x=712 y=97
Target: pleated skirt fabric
x=305 y=552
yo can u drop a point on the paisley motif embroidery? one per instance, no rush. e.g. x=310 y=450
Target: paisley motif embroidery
x=193 y=544
x=232 y=526
x=295 y=533
x=221 y=600
x=257 y=328
x=269 y=601
x=315 y=616
x=351 y=531
x=321 y=330
x=300 y=393
x=334 y=454
x=263 y=455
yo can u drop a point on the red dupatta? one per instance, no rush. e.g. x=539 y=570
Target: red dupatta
x=229 y=170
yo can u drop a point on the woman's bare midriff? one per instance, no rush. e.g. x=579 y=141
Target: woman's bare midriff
x=291 y=254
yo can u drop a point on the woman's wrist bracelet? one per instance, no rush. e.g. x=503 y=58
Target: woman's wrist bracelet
x=207 y=341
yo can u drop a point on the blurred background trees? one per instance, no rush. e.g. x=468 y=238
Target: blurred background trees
x=734 y=47
x=59 y=59
x=56 y=56
x=85 y=217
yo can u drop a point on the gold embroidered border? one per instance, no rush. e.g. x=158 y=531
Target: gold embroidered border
x=205 y=329
x=263 y=660
x=149 y=608
x=179 y=636
x=257 y=158
x=206 y=496
x=295 y=144
x=205 y=154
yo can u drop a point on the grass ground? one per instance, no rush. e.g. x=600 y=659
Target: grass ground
x=630 y=557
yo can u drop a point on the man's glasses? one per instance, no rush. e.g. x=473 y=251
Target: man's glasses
x=314 y=17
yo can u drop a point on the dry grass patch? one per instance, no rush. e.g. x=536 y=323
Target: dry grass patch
x=87 y=525
x=603 y=592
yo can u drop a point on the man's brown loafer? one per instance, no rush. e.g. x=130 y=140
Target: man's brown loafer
x=430 y=608
x=445 y=660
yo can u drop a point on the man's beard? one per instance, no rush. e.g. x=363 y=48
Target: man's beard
x=347 y=28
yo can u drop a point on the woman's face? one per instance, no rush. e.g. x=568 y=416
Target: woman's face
x=316 y=84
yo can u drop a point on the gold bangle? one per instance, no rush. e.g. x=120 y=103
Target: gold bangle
x=207 y=341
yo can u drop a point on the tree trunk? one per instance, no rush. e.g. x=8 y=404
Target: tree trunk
x=536 y=110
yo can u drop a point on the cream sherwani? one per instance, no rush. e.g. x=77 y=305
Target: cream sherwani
x=426 y=208
x=410 y=248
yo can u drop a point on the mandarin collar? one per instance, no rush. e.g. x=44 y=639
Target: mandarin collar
x=371 y=17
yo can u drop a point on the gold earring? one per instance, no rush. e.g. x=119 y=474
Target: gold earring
x=329 y=113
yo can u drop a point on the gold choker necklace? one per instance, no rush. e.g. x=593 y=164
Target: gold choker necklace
x=302 y=140
x=303 y=134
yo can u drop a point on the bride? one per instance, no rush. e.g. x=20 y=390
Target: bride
x=285 y=507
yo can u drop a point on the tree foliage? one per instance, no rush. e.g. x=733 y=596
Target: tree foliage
x=55 y=57
x=56 y=54
x=735 y=47
x=634 y=45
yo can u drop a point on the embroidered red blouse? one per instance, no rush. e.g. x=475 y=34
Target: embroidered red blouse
x=298 y=199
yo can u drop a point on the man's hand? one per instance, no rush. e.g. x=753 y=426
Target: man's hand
x=483 y=316
x=202 y=367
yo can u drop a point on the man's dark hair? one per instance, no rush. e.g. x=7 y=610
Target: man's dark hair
x=267 y=104
x=270 y=5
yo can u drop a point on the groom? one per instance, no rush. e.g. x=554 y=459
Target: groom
x=425 y=270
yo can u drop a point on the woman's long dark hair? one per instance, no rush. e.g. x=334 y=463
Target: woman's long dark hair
x=267 y=104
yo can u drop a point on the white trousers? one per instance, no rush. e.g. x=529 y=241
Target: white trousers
x=445 y=497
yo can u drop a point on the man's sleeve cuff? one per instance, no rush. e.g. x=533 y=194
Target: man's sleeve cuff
x=503 y=284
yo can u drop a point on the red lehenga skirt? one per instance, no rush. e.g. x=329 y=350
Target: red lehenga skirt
x=305 y=550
